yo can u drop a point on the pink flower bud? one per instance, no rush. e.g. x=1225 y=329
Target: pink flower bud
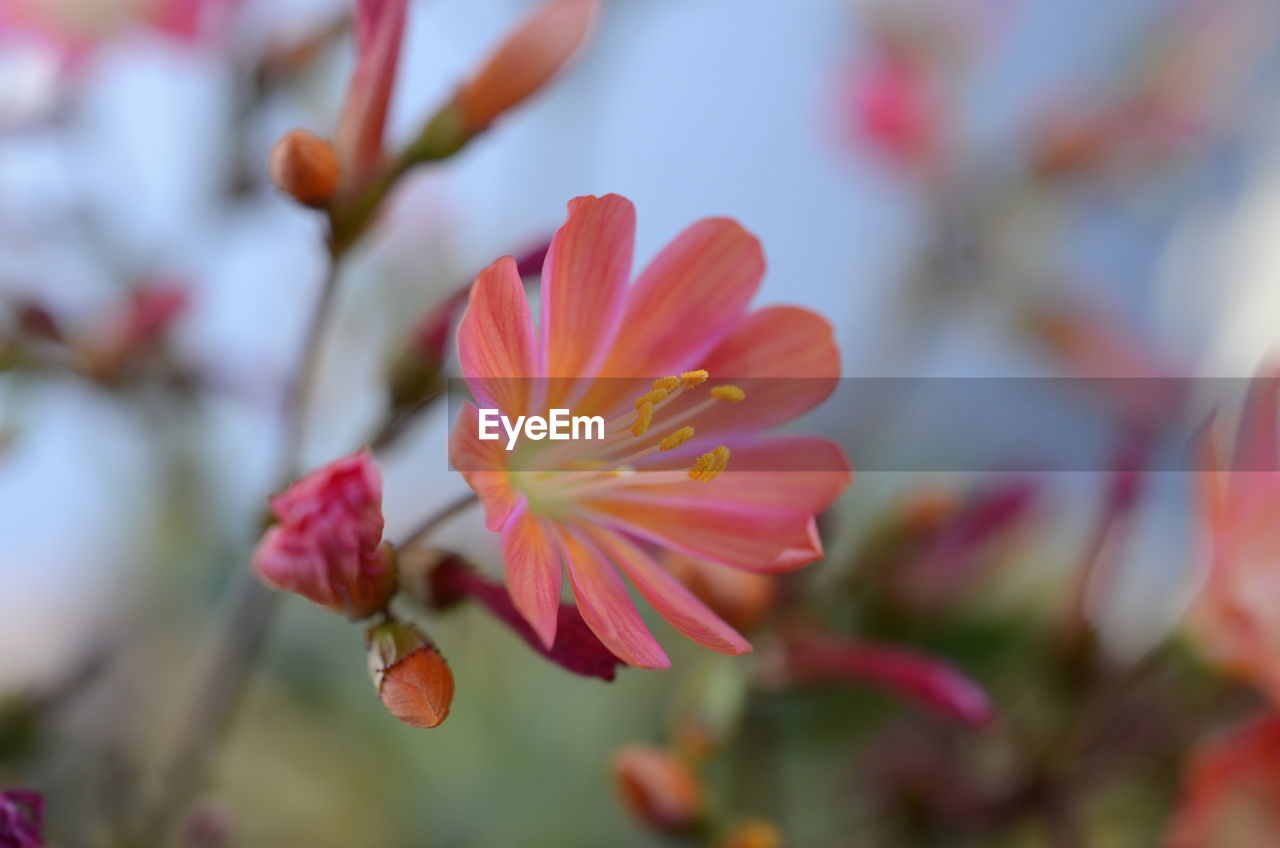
x=543 y=42
x=412 y=678
x=326 y=546
x=21 y=819
x=658 y=787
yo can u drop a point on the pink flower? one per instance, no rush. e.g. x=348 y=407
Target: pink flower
x=326 y=546
x=72 y=28
x=1231 y=790
x=895 y=109
x=598 y=507
x=21 y=819
x=1235 y=617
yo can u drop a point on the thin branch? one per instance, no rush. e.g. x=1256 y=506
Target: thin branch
x=437 y=520
x=247 y=611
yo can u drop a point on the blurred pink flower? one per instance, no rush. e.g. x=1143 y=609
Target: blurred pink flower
x=21 y=819
x=72 y=27
x=1236 y=618
x=1231 y=790
x=894 y=107
x=592 y=505
x=326 y=546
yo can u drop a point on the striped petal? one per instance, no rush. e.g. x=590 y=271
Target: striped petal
x=671 y=598
x=533 y=572
x=606 y=605
x=495 y=340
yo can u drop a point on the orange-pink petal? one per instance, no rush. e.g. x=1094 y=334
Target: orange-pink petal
x=533 y=572
x=754 y=537
x=470 y=455
x=584 y=284
x=495 y=340
x=671 y=598
x=606 y=605
x=687 y=298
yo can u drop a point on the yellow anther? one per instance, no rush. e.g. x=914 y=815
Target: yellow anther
x=644 y=417
x=709 y=465
x=700 y=465
x=729 y=393
x=668 y=383
x=689 y=379
x=676 y=439
x=651 y=397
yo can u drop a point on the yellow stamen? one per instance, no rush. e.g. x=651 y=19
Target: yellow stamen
x=652 y=397
x=709 y=465
x=676 y=439
x=668 y=383
x=689 y=379
x=729 y=393
x=644 y=417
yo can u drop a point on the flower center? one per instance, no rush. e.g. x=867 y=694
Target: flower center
x=582 y=468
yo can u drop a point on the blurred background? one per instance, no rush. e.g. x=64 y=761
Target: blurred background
x=965 y=188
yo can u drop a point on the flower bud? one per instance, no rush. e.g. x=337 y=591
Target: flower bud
x=754 y=833
x=1228 y=785
x=658 y=788
x=326 y=546
x=305 y=167
x=525 y=61
x=411 y=677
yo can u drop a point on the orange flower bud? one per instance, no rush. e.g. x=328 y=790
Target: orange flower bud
x=754 y=833
x=305 y=167
x=740 y=597
x=525 y=61
x=412 y=678
x=658 y=788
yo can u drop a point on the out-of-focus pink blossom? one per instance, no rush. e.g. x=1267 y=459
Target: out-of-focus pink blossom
x=894 y=107
x=73 y=27
x=326 y=546
x=815 y=657
x=576 y=648
x=1231 y=790
x=379 y=30
x=959 y=541
x=1236 y=617
x=149 y=313
x=21 y=819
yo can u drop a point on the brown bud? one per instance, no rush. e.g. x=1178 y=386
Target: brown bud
x=658 y=788
x=412 y=678
x=305 y=167
x=754 y=833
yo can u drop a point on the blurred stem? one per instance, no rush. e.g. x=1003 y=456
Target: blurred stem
x=247 y=611
x=437 y=520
